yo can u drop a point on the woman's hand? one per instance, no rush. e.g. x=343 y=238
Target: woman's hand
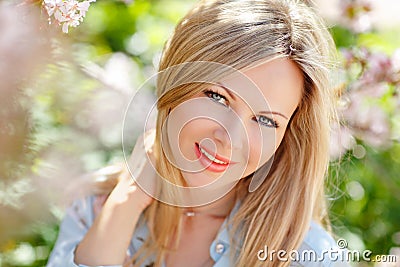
x=115 y=224
x=137 y=185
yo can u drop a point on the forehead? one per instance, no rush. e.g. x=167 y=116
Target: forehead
x=276 y=85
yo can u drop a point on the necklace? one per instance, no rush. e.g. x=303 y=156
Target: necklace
x=189 y=213
x=192 y=213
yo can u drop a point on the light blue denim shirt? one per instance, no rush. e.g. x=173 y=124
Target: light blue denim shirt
x=80 y=216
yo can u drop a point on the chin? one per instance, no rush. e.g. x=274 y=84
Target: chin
x=199 y=179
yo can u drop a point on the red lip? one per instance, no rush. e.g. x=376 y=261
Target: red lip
x=211 y=165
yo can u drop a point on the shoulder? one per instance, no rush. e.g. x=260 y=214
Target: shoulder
x=82 y=212
x=318 y=238
x=320 y=249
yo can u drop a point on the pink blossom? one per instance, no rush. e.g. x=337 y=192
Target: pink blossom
x=341 y=140
x=366 y=109
x=379 y=68
x=356 y=14
x=396 y=60
x=367 y=120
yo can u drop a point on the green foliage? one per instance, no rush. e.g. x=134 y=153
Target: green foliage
x=366 y=192
x=370 y=206
x=343 y=37
x=366 y=195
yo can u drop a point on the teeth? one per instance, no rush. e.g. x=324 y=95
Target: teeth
x=211 y=157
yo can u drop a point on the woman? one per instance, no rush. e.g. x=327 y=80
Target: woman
x=240 y=149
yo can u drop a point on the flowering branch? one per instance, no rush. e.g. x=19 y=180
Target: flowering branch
x=68 y=13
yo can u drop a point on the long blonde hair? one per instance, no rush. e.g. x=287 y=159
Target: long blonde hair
x=239 y=34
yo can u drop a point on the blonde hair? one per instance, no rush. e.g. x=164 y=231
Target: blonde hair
x=240 y=34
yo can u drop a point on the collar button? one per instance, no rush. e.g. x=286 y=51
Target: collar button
x=220 y=248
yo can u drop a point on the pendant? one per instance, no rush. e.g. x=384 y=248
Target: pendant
x=189 y=213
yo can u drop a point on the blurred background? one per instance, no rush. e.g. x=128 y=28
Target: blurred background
x=68 y=69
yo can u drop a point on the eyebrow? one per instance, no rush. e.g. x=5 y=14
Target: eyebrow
x=228 y=91
x=275 y=113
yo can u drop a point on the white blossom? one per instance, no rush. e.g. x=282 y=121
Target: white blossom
x=68 y=13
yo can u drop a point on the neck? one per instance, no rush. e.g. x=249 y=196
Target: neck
x=218 y=209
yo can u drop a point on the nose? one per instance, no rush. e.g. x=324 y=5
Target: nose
x=231 y=135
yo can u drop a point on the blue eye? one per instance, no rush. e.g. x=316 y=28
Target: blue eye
x=216 y=97
x=265 y=121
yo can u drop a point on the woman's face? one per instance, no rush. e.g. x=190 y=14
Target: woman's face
x=235 y=126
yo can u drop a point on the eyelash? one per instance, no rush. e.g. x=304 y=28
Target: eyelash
x=211 y=94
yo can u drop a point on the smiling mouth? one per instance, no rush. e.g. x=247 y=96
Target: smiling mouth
x=213 y=163
x=211 y=157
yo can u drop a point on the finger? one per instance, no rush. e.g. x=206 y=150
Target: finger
x=149 y=138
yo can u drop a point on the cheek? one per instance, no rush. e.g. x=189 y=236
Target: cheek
x=193 y=131
x=263 y=146
x=184 y=139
